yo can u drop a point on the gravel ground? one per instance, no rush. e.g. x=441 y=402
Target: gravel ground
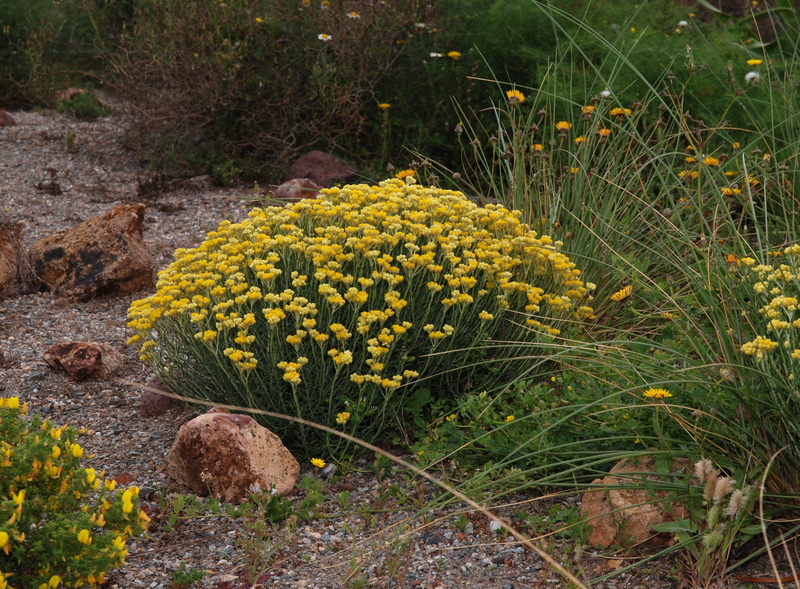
x=376 y=537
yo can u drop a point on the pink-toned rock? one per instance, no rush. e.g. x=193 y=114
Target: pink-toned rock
x=322 y=168
x=103 y=256
x=6 y=120
x=230 y=456
x=152 y=404
x=9 y=257
x=625 y=516
x=69 y=93
x=82 y=360
x=296 y=189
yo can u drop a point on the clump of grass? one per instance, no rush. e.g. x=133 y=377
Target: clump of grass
x=664 y=210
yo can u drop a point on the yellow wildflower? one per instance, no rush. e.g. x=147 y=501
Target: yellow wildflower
x=318 y=462
x=657 y=393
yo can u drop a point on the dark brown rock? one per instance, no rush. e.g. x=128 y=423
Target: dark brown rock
x=230 y=456
x=104 y=256
x=296 y=189
x=322 y=168
x=152 y=404
x=9 y=258
x=625 y=516
x=83 y=360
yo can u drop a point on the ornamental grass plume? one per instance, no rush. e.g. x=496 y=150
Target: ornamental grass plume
x=345 y=304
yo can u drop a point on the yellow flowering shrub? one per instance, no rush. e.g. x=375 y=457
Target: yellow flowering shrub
x=60 y=525
x=776 y=287
x=343 y=304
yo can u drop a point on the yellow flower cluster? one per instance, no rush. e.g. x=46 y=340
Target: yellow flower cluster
x=40 y=478
x=369 y=278
x=403 y=231
x=780 y=285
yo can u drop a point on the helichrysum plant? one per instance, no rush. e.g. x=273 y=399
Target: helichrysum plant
x=333 y=309
x=770 y=304
x=60 y=525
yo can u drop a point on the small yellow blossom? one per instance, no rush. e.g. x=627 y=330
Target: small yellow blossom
x=563 y=126
x=515 y=96
x=318 y=462
x=384 y=106
x=341 y=418
x=454 y=55
x=85 y=537
x=509 y=418
x=622 y=294
x=754 y=62
x=657 y=393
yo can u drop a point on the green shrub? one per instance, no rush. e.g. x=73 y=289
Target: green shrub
x=59 y=523
x=333 y=309
x=84 y=106
x=46 y=46
x=258 y=82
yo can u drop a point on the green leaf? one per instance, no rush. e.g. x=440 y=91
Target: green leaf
x=676 y=526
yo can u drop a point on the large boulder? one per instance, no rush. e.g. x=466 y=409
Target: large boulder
x=230 y=457
x=104 y=256
x=625 y=513
x=9 y=257
x=322 y=168
x=84 y=360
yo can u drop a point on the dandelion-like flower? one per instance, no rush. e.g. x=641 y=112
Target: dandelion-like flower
x=384 y=106
x=754 y=62
x=324 y=37
x=353 y=14
x=657 y=393
x=622 y=294
x=341 y=418
x=318 y=462
x=515 y=96
x=454 y=55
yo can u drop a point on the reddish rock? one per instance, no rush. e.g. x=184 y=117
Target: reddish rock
x=6 y=120
x=9 y=257
x=322 y=168
x=82 y=360
x=69 y=93
x=625 y=516
x=296 y=189
x=152 y=404
x=230 y=456
x=103 y=256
